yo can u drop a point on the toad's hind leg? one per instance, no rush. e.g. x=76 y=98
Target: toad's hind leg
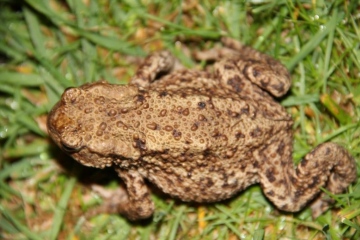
x=328 y=165
x=157 y=63
x=138 y=204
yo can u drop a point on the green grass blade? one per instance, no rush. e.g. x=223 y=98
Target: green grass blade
x=17 y=224
x=315 y=40
x=34 y=30
x=20 y=79
x=60 y=210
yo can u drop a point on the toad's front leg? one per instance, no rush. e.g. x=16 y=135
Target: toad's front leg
x=328 y=165
x=136 y=203
x=162 y=62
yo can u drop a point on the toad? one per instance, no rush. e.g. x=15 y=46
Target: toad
x=198 y=135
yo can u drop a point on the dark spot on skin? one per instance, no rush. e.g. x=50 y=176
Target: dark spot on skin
x=256 y=73
x=232 y=114
x=270 y=193
x=239 y=135
x=270 y=175
x=304 y=162
x=183 y=95
x=139 y=209
x=216 y=134
x=280 y=148
x=207 y=153
x=250 y=64
x=163 y=94
x=264 y=83
x=284 y=162
x=315 y=182
x=140 y=144
x=281 y=197
x=293 y=180
x=278 y=87
x=209 y=182
x=140 y=98
x=224 y=176
x=242 y=167
x=176 y=134
x=236 y=83
x=201 y=105
x=298 y=194
x=245 y=110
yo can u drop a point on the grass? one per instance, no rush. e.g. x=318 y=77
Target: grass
x=47 y=46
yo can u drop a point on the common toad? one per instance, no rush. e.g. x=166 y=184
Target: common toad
x=199 y=136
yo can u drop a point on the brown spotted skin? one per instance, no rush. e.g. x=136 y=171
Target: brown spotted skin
x=199 y=136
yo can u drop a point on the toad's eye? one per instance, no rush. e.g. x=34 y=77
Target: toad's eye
x=69 y=149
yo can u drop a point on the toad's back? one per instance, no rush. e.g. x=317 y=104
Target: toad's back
x=182 y=139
